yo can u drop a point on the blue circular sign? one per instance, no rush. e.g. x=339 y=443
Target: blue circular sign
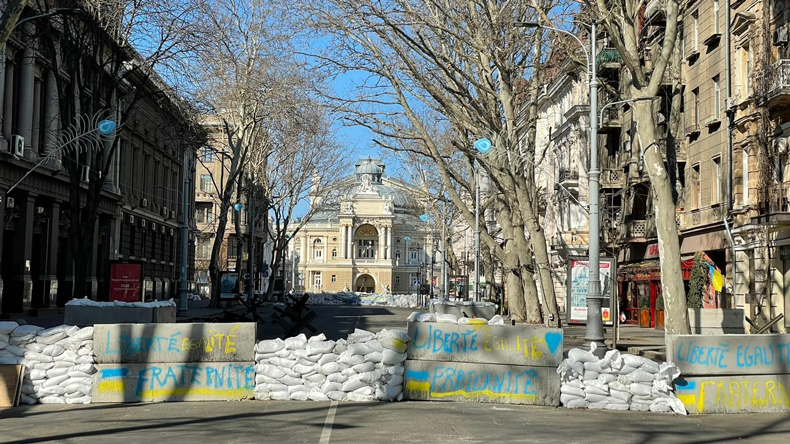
x=424 y=218
x=483 y=145
x=407 y=238
x=106 y=126
x=238 y=206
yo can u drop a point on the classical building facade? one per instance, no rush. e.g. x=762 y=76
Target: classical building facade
x=140 y=205
x=372 y=240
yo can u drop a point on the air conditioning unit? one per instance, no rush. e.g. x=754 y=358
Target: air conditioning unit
x=17 y=145
x=85 y=173
x=173 y=214
x=164 y=211
x=131 y=218
x=153 y=226
x=142 y=223
x=144 y=202
x=9 y=202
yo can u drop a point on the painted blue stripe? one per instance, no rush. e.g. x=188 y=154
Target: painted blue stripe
x=685 y=385
x=420 y=376
x=114 y=373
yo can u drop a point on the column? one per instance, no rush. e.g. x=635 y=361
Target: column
x=36 y=120
x=351 y=242
x=303 y=250
x=343 y=243
x=51 y=115
x=8 y=101
x=2 y=89
x=93 y=282
x=2 y=231
x=19 y=291
x=53 y=238
x=26 y=91
x=390 y=245
x=381 y=244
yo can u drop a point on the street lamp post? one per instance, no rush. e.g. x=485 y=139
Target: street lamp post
x=183 y=305
x=483 y=146
x=594 y=332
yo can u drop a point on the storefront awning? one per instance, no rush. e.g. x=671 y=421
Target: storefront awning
x=703 y=242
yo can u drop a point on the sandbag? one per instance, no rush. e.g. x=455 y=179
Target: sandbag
x=6 y=327
x=579 y=355
x=390 y=357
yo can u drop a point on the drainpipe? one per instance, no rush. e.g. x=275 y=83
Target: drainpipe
x=730 y=117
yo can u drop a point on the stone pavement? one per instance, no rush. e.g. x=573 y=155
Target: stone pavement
x=358 y=423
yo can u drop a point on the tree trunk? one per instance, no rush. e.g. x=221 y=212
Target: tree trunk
x=676 y=321
x=214 y=269
x=13 y=9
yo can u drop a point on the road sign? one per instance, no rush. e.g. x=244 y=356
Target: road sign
x=417 y=282
x=266 y=273
x=483 y=145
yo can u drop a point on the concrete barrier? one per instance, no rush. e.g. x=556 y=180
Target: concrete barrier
x=83 y=316
x=458 y=309
x=505 y=384
x=716 y=321
x=493 y=344
x=732 y=373
x=483 y=363
x=139 y=343
x=156 y=382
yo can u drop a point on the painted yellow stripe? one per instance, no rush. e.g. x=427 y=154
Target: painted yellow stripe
x=111 y=386
x=687 y=400
x=187 y=391
x=418 y=386
x=486 y=392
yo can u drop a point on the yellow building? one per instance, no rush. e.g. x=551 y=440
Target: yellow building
x=371 y=240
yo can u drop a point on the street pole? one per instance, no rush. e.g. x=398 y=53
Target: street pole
x=251 y=242
x=443 y=288
x=183 y=304
x=477 y=230
x=594 y=333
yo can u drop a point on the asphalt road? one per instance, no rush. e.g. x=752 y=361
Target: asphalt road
x=357 y=423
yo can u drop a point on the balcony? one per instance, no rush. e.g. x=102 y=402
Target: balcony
x=637 y=230
x=610 y=119
x=778 y=199
x=688 y=220
x=655 y=10
x=611 y=178
x=569 y=178
x=773 y=84
x=566 y=239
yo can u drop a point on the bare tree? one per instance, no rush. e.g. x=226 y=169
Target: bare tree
x=8 y=20
x=623 y=22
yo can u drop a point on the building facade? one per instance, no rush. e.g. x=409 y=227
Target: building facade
x=372 y=240
x=140 y=210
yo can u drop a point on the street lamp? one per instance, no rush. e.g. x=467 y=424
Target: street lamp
x=483 y=146
x=594 y=332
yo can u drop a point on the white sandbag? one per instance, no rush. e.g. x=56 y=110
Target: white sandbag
x=3 y=344
x=84 y=352
x=16 y=350
x=624 y=396
x=6 y=327
x=296 y=343
x=364 y=367
x=82 y=334
x=297 y=388
x=55 y=372
x=642 y=400
x=421 y=317
x=340 y=347
x=673 y=403
x=609 y=357
x=52 y=400
x=650 y=366
x=25 y=331
x=590 y=375
x=633 y=360
x=597 y=405
x=38 y=374
x=43 y=365
x=76 y=387
x=636 y=407
x=50 y=391
x=446 y=318
x=282 y=362
x=496 y=320
x=593 y=366
x=615 y=406
x=317 y=338
x=359 y=349
x=337 y=377
x=660 y=408
x=337 y=396
x=395 y=344
x=270 y=346
x=370 y=377
x=305 y=369
x=69 y=356
x=356 y=360
x=52 y=350
x=626 y=370
x=263 y=379
x=576 y=366
x=317 y=395
x=367 y=391
x=76 y=374
x=279 y=396
x=285 y=354
x=327 y=358
x=381 y=394
x=579 y=355
x=640 y=375
x=321 y=347
x=374 y=345
x=348 y=372
x=640 y=389
x=260 y=357
x=390 y=357
x=394 y=380
x=396 y=370
x=329 y=386
x=290 y=372
x=612 y=400
x=51 y=339
x=329 y=368
x=358 y=397
x=575 y=383
x=316 y=378
x=579 y=403
x=394 y=333
x=572 y=391
x=353 y=384
x=85 y=368
x=374 y=357
x=55 y=381
x=360 y=336
x=269 y=370
x=566 y=398
x=290 y=380
x=606 y=378
x=597 y=384
x=668 y=371
x=595 y=391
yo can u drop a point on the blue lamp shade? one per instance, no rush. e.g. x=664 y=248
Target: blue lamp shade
x=424 y=218
x=106 y=126
x=483 y=145
x=287 y=236
x=407 y=239
x=238 y=206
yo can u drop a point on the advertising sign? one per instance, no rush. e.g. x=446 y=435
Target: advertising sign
x=126 y=281
x=579 y=282
x=229 y=285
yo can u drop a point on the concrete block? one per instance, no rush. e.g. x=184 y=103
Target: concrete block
x=490 y=344
x=85 y=315
x=459 y=308
x=734 y=394
x=730 y=354
x=503 y=384
x=156 y=382
x=200 y=342
x=716 y=321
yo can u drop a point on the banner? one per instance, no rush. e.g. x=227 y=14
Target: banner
x=578 y=284
x=126 y=281
x=229 y=285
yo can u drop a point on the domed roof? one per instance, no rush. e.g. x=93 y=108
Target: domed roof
x=369 y=166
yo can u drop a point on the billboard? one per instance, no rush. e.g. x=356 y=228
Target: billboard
x=126 y=281
x=579 y=282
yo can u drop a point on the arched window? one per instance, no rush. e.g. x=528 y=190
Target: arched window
x=318 y=249
x=366 y=240
x=334 y=253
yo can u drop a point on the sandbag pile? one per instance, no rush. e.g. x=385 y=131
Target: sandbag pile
x=85 y=302
x=618 y=382
x=447 y=318
x=363 y=367
x=59 y=361
x=366 y=299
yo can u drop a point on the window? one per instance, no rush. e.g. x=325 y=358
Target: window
x=717 y=97
x=206 y=185
x=206 y=154
x=204 y=248
x=318 y=253
x=695 y=91
x=745 y=181
x=695 y=17
x=204 y=213
x=716 y=172
x=334 y=278
x=716 y=29
x=334 y=253
x=697 y=187
x=397 y=280
x=749 y=65
x=317 y=279
x=233 y=247
x=413 y=255
x=397 y=255
x=366 y=249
